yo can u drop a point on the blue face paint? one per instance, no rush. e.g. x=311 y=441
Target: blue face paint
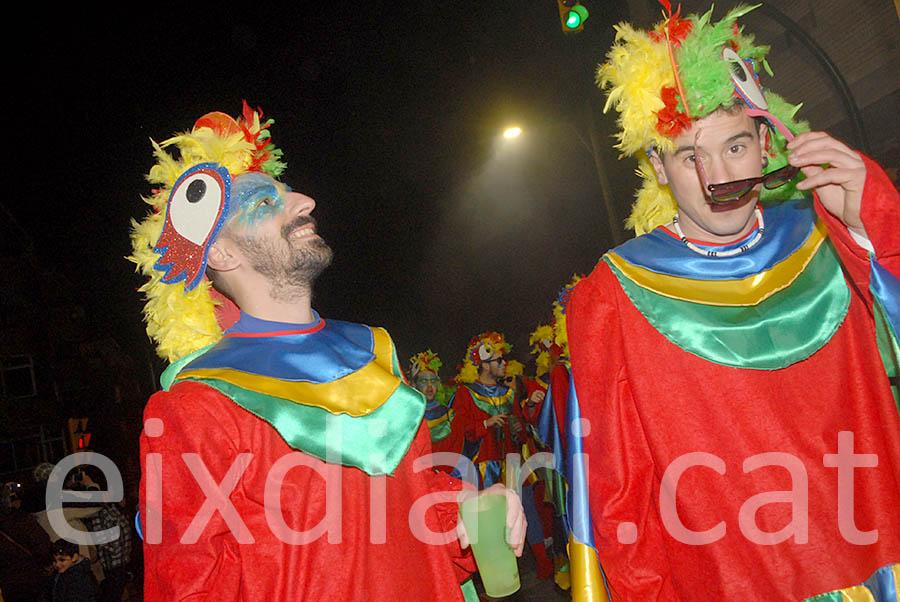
x=255 y=197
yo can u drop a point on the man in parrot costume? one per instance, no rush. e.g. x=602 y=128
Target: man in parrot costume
x=283 y=446
x=731 y=366
x=424 y=373
x=483 y=405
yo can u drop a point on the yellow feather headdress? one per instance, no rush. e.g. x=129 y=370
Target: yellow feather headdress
x=541 y=341
x=561 y=338
x=480 y=348
x=662 y=79
x=181 y=321
x=424 y=361
x=515 y=368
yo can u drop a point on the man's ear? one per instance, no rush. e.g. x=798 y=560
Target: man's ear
x=222 y=256
x=764 y=140
x=657 y=163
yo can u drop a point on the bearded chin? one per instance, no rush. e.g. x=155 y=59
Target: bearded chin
x=308 y=262
x=288 y=275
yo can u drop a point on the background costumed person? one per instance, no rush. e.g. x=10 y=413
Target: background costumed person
x=546 y=355
x=539 y=515
x=731 y=364
x=552 y=420
x=582 y=574
x=283 y=406
x=424 y=374
x=483 y=407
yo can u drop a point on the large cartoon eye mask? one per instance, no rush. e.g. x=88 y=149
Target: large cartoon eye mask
x=196 y=203
x=196 y=209
x=746 y=82
x=746 y=85
x=485 y=352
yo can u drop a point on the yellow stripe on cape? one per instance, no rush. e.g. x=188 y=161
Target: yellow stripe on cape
x=496 y=400
x=443 y=418
x=861 y=593
x=747 y=291
x=356 y=394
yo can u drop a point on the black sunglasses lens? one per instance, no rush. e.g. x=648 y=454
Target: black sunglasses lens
x=730 y=191
x=780 y=177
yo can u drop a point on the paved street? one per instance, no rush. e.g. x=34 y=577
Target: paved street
x=533 y=590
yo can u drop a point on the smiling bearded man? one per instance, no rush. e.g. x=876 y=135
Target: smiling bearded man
x=285 y=449
x=290 y=263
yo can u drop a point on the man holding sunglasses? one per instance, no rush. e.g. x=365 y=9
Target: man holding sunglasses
x=732 y=366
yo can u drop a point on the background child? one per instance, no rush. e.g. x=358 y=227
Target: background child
x=72 y=580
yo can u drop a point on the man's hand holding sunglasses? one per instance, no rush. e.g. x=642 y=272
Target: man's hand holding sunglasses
x=835 y=171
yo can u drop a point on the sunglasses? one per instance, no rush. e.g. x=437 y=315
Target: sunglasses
x=727 y=192
x=732 y=191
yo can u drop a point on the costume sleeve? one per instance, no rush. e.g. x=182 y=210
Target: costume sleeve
x=622 y=479
x=880 y=214
x=469 y=420
x=194 y=421
x=443 y=516
x=530 y=415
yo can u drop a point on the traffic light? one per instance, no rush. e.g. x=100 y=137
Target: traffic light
x=79 y=438
x=572 y=15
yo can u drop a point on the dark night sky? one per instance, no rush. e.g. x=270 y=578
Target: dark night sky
x=388 y=115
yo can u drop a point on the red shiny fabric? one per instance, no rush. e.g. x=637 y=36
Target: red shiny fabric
x=199 y=420
x=647 y=403
x=469 y=424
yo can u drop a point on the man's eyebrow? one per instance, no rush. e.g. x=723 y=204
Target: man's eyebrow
x=262 y=187
x=735 y=138
x=739 y=136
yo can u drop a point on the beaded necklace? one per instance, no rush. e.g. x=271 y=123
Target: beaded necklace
x=729 y=253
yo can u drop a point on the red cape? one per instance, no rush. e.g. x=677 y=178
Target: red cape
x=376 y=555
x=648 y=403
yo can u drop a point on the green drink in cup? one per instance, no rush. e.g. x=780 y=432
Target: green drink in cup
x=484 y=517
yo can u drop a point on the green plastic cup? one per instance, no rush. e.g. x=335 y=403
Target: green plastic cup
x=485 y=519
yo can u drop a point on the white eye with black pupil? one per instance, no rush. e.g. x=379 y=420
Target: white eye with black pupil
x=737 y=72
x=196 y=204
x=196 y=190
x=744 y=81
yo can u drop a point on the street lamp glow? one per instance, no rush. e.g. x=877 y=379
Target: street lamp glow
x=512 y=132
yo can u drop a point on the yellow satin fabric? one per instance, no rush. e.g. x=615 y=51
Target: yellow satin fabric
x=357 y=394
x=494 y=401
x=747 y=291
x=860 y=593
x=448 y=416
x=584 y=570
